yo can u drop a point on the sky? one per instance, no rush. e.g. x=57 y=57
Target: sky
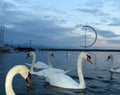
x=60 y=23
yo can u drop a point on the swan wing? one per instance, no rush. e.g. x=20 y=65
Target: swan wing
x=38 y=73
x=60 y=79
x=47 y=71
x=115 y=70
x=40 y=65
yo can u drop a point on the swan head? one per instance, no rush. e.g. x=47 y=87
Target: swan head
x=19 y=69
x=109 y=57
x=86 y=56
x=25 y=73
x=51 y=54
x=30 y=54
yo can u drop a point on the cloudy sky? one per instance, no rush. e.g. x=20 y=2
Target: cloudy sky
x=59 y=23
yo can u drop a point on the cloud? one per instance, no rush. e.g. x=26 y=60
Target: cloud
x=91 y=11
x=6 y=5
x=23 y=26
x=107 y=33
x=94 y=15
x=115 y=21
x=39 y=31
x=101 y=12
x=113 y=41
x=95 y=4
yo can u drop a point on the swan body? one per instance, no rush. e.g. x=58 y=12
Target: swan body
x=64 y=81
x=19 y=69
x=115 y=70
x=111 y=58
x=32 y=54
x=59 y=79
x=38 y=65
x=50 y=71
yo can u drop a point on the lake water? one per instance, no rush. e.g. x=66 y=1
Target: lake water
x=97 y=76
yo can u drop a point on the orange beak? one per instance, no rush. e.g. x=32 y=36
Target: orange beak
x=28 y=79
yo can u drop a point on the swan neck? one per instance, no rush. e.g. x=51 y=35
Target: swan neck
x=49 y=62
x=80 y=73
x=33 y=62
x=8 y=83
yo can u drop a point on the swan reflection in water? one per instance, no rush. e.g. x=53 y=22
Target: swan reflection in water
x=111 y=75
x=57 y=90
x=52 y=90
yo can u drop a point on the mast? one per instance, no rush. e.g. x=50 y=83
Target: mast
x=1 y=34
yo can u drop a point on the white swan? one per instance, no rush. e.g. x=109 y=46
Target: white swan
x=111 y=58
x=32 y=54
x=39 y=64
x=19 y=69
x=64 y=81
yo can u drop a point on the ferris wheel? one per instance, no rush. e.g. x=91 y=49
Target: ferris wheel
x=88 y=43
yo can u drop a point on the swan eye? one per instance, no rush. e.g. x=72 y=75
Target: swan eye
x=52 y=54
x=28 y=55
x=108 y=58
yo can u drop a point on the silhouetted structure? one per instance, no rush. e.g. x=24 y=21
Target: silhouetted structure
x=93 y=50
x=24 y=49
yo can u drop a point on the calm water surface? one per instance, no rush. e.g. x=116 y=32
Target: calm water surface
x=97 y=76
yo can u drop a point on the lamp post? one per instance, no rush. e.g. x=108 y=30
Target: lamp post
x=30 y=43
